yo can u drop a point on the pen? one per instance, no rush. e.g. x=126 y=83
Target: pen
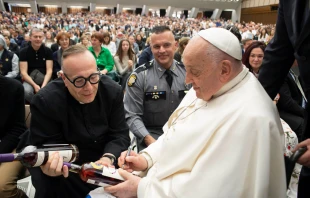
x=129 y=149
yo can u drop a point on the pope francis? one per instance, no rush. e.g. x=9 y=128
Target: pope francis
x=225 y=139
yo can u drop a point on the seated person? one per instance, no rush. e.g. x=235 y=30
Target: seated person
x=182 y=44
x=10 y=42
x=11 y=46
x=83 y=108
x=12 y=125
x=63 y=41
x=216 y=143
x=145 y=56
x=35 y=60
x=124 y=60
x=8 y=61
x=104 y=59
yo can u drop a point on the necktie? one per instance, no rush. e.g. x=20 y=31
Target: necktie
x=169 y=77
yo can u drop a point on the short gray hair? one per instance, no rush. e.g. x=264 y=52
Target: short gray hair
x=35 y=30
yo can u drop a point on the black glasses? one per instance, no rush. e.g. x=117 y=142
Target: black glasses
x=80 y=81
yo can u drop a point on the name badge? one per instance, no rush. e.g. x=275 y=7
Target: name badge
x=156 y=95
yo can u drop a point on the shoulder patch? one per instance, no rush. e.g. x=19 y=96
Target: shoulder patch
x=131 y=80
x=144 y=67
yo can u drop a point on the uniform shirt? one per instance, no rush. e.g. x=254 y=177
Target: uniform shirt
x=149 y=101
x=36 y=59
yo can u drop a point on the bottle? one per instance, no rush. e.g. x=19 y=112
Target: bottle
x=32 y=156
x=96 y=174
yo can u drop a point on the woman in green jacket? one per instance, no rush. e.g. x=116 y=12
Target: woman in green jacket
x=102 y=55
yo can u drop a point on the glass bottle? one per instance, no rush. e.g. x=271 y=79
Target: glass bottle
x=96 y=174
x=32 y=156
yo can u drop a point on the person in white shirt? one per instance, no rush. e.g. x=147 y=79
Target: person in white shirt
x=108 y=43
x=216 y=143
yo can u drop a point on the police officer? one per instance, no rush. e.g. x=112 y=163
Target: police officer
x=155 y=89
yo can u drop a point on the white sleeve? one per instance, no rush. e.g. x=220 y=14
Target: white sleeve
x=113 y=48
x=15 y=67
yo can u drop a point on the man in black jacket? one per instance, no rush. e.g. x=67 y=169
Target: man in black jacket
x=82 y=108
x=12 y=125
x=291 y=105
x=291 y=41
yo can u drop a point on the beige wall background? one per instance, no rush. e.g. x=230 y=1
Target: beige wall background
x=259 y=11
x=258 y=3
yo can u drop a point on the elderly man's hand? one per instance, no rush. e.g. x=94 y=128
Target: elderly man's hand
x=54 y=166
x=126 y=189
x=134 y=162
x=305 y=158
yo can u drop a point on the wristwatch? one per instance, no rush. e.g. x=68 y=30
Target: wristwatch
x=111 y=157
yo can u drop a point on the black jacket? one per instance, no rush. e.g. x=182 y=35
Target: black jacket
x=6 y=60
x=146 y=56
x=290 y=98
x=96 y=128
x=12 y=116
x=14 y=48
x=291 y=41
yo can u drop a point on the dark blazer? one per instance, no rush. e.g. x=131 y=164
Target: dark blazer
x=54 y=47
x=12 y=117
x=14 y=48
x=290 y=106
x=291 y=41
x=95 y=128
x=146 y=56
x=290 y=97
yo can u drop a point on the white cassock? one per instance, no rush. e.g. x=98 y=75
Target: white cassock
x=230 y=146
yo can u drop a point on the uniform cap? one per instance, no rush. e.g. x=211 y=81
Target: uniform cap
x=224 y=40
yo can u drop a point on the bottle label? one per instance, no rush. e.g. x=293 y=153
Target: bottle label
x=111 y=172
x=40 y=159
x=91 y=181
x=66 y=154
x=107 y=171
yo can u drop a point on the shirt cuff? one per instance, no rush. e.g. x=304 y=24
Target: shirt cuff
x=148 y=159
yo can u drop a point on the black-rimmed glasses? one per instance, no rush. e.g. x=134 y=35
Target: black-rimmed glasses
x=80 y=81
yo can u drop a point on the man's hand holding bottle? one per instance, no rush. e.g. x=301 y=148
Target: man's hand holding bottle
x=54 y=166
